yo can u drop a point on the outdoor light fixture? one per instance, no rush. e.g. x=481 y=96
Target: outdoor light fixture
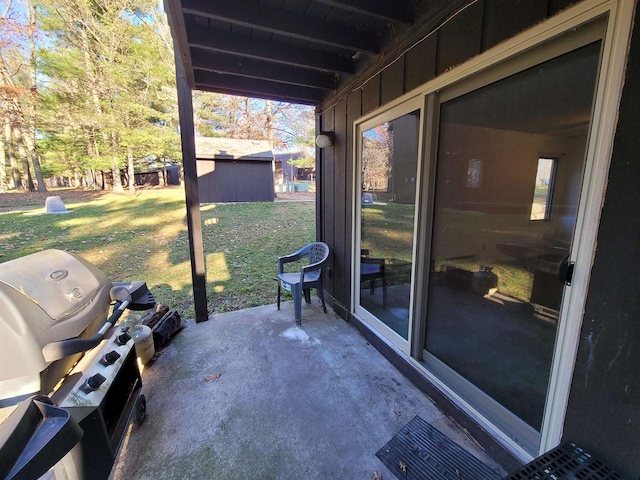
x=324 y=140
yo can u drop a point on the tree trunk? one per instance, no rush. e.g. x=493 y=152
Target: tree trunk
x=248 y=117
x=132 y=173
x=164 y=173
x=30 y=134
x=26 y=170
x=269 y=122
x=35 y=161
x=117 y=181
x=3 y=168
x=16 y=177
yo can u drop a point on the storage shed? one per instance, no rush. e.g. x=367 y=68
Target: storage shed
x=234 y=170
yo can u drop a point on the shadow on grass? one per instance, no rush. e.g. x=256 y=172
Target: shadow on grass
x=146 y=238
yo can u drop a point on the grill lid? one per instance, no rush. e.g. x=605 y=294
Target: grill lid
x=47 y=297
x=55 y=280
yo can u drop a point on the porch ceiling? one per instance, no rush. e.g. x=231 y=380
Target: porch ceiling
x=298 y=51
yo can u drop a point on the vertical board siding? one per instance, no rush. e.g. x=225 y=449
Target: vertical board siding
x=328 y=213
x=371 y=94
x=392 y=81
x=420 y=63
x=556 y=6
x=235 y=181
x=505 y=18
x=340 y=213
x=354 y=111
x=460 y=39
x=603 y=414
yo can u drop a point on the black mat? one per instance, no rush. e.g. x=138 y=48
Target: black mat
x=419 y=451
x=569 y=462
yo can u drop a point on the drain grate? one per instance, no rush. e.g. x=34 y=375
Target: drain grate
x=566 y=462
x=419 y=451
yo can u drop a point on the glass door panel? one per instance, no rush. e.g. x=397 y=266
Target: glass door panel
x=388 y=176
x=509 y=172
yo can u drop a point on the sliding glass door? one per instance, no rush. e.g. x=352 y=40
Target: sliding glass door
x=389 y=152
x=468 y=201
x=509 y=169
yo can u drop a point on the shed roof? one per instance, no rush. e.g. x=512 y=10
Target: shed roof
x=233 y=149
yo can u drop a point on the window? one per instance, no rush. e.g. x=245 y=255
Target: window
x=543 y=192
x=388 y=161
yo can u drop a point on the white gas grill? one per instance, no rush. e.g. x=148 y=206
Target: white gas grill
x=56 y=341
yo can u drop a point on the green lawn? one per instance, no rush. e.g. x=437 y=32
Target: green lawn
x=145 y=238
x=466 y=240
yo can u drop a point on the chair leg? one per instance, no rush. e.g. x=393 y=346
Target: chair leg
x=297 y=303
x=321 y=295
x=279 y=287
x=307 y=295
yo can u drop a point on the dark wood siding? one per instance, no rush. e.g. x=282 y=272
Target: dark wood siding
x=420 y=63
x=475 y=29
x=556 y=6
x=371 y=94
x=603 y=413
x=327 y=213
x=354 y=111
x=340 y=228
x=505 y=18
x=604 y=405
x=235 y=181
x=460 y=39
x=392 y=81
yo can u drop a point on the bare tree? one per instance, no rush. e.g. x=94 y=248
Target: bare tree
x=30 y=134
x=16 y=177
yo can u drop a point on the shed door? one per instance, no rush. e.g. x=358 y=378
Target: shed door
x=509 y=169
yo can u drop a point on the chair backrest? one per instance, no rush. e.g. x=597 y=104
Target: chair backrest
x=318 y=252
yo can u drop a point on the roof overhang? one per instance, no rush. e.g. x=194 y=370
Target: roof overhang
x=301 y=51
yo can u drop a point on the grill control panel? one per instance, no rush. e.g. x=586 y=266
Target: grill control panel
x=98 y=369
x=100 y=393
x=110 y=358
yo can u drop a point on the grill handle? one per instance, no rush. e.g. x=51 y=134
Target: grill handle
x=56 y=350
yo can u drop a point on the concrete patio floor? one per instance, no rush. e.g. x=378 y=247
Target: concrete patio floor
x=309 y=402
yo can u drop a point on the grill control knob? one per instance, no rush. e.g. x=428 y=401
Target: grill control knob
x=124 y=337
x=110 y=358
x=92 y=383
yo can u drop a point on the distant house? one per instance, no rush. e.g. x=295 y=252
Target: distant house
x=234 y=170
x=289 y=173
x=159 y=176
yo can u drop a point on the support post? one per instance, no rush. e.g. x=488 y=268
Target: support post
x=192 y=195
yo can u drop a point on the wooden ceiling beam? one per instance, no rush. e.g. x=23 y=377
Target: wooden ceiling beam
x=281 y=22
x=242 y=45
x=250 y=68
x=249 y=87
x=391 y=11
x=180 y=43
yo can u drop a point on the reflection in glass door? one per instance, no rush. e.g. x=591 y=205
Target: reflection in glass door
x=388 y=176
x=509 y=170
